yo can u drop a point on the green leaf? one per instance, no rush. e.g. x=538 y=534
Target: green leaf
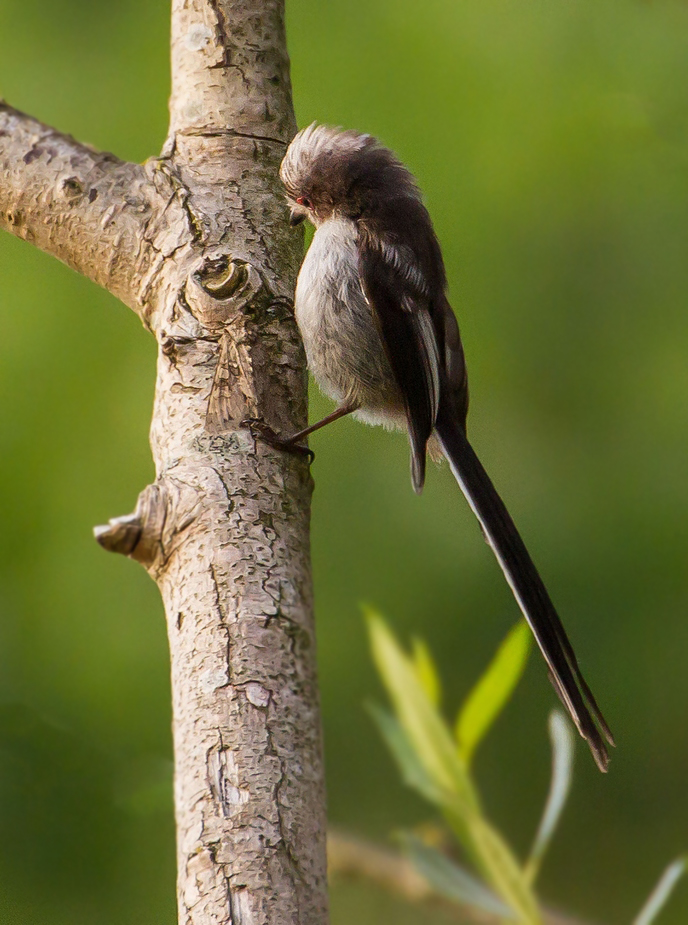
x=501 y=868
x=412 y=771
x=428 y=737
x=661 y=893
x=561 y=737
x=451 y=881
x=491 y=693
x=426 y=671
x=426 y=731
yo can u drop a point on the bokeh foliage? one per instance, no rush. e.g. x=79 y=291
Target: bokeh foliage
x=437 y=763
x=550 y=140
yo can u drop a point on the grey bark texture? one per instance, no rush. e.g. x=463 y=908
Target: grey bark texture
x=196 y=241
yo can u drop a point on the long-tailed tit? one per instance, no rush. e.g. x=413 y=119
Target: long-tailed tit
x=383 y=342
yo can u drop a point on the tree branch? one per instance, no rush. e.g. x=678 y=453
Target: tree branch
x=84 y=207
x=350 y=856
x=230 y=70
x=197 y=241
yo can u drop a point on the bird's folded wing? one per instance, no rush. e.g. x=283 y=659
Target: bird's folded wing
x=401 y=309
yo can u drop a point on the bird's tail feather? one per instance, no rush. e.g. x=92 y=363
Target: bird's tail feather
x=526 y=584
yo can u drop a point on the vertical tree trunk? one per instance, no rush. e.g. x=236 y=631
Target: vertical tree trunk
x=197 y=242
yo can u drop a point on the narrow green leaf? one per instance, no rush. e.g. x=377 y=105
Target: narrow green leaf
x=426 y=671
x=426 y=731
x=561 y=737
x=661 y=893
x=490 y=695
x=412 y=771
x=429 y=738
x=503 y=871
x=451 y=881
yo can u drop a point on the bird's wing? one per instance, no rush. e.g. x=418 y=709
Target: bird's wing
x=399 y=297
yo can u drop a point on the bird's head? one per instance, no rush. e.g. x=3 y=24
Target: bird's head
x=331 y=172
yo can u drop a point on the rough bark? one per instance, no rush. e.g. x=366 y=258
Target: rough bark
x=196 y=241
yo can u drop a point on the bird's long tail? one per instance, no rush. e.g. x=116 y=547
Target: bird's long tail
x=526 y=584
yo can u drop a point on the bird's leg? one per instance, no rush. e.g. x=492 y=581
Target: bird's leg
x=338 y=413
x=292 y=444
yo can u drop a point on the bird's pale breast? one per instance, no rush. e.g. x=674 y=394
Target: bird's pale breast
x=343 y=346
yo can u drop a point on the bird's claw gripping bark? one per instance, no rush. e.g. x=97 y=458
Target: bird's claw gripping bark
x=264 y=432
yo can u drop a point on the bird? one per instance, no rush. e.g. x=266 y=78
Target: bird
x=383 y=342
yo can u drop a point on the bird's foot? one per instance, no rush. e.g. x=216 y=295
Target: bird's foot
x=264 y=432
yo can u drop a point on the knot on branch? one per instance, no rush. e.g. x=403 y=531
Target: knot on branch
x=137 y=535
x=71 y=189
x=164 y=511
x=229 y=296
x=221 y=289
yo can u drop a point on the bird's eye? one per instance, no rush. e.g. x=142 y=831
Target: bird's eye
x=303 y=201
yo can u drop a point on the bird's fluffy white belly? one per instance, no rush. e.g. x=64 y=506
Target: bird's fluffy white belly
x=343 y=346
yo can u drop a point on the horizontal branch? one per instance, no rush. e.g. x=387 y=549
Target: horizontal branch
x=351 y=856
x=85 y=207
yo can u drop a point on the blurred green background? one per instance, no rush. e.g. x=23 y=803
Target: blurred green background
x=550 y=139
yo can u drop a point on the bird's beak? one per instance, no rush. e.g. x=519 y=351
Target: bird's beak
x=296 y=216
